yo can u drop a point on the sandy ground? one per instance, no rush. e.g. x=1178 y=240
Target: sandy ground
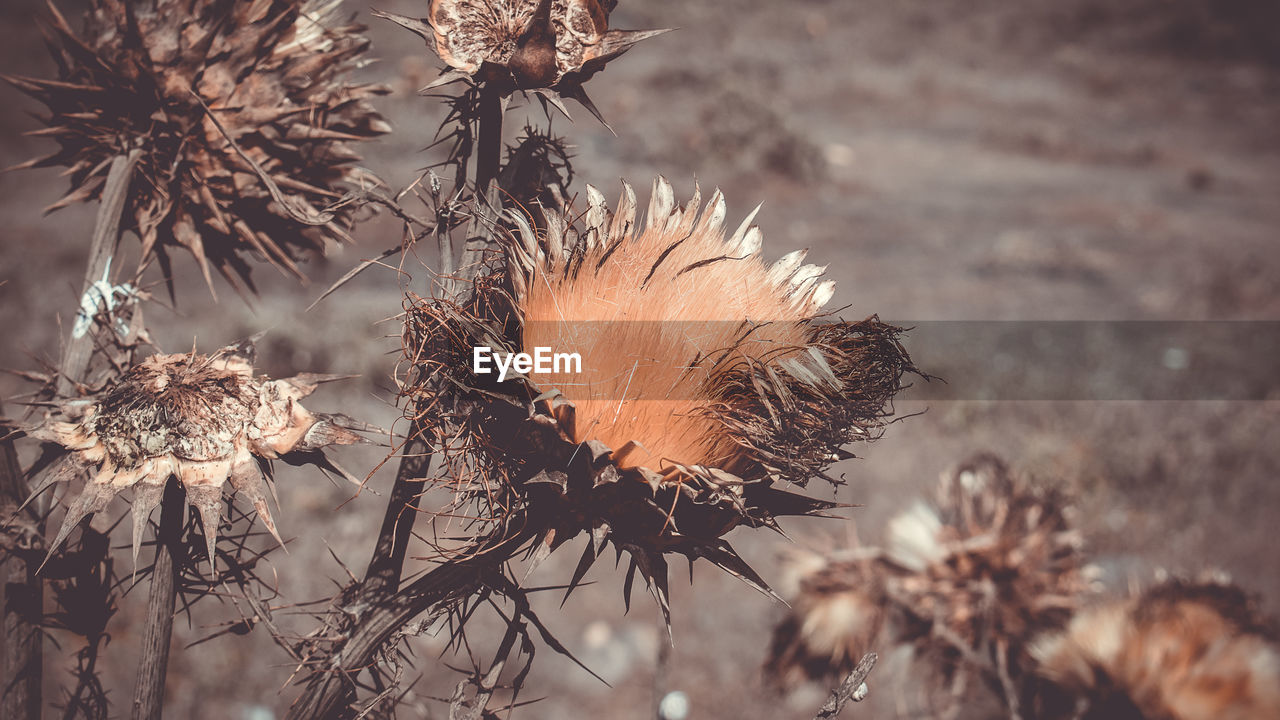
x=985 y=160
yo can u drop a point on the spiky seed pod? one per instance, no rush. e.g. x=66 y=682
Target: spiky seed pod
x=1178 y=651
x=837 y=613
x=990 y=565
x=246 y=124
x=523 y=44
x=207 y=420
x=706 y=382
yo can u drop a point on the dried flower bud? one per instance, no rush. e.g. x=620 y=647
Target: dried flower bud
x=241 y=110
x=207 y=420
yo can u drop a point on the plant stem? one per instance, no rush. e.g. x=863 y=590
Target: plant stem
x=382 y=576
x=331 y=686
x=148 y=693
x=106 y=231
x=21 y=643
x=489 y=140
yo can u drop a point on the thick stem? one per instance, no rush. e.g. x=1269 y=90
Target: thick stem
x=385 y=568
x=383 y=574
x=106 y=231
x=21 y=643
x=148 y=693
x=489 y=140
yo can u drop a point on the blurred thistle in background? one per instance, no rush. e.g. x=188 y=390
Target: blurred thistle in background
x=243 y=114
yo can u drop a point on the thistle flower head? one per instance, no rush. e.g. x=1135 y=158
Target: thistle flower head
x=523 y=44
x=968 y=579
x=240 y=110
x=706 y=382
x=206 y=420
x=837 y=614
x=990 y=564
x=1180 y=650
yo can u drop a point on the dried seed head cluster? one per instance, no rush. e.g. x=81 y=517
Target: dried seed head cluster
x=524 y=44
x=1179 y=651
x=240 y=109
x=706 y=383
x=207 y=420
x=969 y=579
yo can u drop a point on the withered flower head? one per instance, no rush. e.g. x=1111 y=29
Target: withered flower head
x=989 y=565
x=970 y=578
x=706 y=383
x=206 y=420
x=837 y=613
x=524 y=44
x=242 y=113
x=1178 y=651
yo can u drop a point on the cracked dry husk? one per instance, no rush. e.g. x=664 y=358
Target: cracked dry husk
x=243 y=113
x=538 y=45
x=671 y=472
x=206 y=420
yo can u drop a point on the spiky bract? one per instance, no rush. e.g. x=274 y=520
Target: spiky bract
x=242 y=113
x=206 y=420
x=707 y=384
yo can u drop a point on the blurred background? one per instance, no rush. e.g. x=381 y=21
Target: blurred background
x=981 y=160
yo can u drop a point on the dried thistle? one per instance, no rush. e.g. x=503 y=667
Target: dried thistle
x=968 y=580
x=554 y=45
x=241 y=110
x=991 y=564
x=206 y=420
x=707 y=383
x=1179 y=651
x=837 y=612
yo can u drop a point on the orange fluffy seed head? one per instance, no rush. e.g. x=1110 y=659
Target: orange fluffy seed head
x=658 y=313
x=705 y=381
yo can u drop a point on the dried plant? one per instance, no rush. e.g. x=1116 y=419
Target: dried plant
x=543 y=45
x=707 y=384
x=1178 y=651
x=206 y=420
x=968 y=580
x=837 y=612
x=242 y=113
